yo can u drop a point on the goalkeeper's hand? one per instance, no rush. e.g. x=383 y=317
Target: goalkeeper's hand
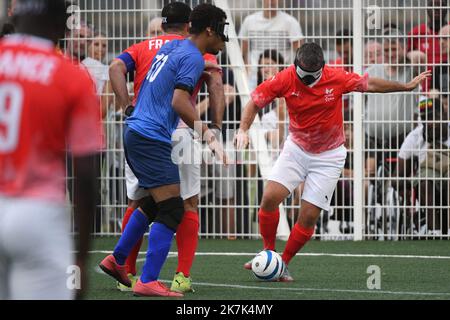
x=241 y=139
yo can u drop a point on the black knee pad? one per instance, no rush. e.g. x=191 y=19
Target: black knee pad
x=150 y=208
x=170 y=212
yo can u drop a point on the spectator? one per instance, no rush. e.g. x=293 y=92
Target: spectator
x=77 y=42
x=390 y=116
x=373 y=53
x=344 y=48
x=270 y=28
x=155 y=28
x=96 y=54
x=440 y=80
x=274 y=116
x=99 y=71
x=428 y=145
x=424 y=37
x=227 y=193
x=343 y=197
x=8 y=27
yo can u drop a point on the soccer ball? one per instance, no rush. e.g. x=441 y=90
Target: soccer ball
x=267 y=266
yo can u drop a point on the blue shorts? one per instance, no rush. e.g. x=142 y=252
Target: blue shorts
x=150 y=160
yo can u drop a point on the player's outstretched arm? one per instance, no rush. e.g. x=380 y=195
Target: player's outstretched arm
x=117 y=75
x=248 y=116
x=181 y=103
x=377 y=85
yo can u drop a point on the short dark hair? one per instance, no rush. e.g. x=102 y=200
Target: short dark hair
x=175 y=16
x=310 y=55
x=271 y=54
x=344 y=36
x=205 y=15
x=44 y=18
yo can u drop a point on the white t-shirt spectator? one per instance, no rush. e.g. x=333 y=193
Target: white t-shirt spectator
x=391 y=114
x=276 y=33
x=416 y=146
x=99 y=73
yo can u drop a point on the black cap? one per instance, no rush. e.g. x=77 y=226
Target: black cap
x=176 y=12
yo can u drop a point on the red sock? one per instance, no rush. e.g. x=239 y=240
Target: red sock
x=268 y=224
x=187 y=240
x=298 y=238
x=131 y=259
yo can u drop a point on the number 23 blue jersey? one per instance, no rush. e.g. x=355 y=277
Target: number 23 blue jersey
x=178 y=64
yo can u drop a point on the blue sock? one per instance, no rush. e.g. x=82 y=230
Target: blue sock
x=135 y=229
x=159 y=242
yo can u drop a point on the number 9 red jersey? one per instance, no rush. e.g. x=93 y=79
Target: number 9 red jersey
x=47 y=106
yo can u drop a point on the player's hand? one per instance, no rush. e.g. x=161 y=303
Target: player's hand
x=216 y=146
x=212 y=66
x=241 y=139
x=418 y=80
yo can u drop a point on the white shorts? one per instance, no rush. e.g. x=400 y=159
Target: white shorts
x=319 y=172
x=186 y=154
x=36 y=250
x=134 y=192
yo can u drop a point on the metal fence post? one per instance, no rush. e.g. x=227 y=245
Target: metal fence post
x=358 y=190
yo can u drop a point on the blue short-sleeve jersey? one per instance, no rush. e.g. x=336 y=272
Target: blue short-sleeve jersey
x=178 y=64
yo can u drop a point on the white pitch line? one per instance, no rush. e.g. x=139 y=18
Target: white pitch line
x=235 y=286
x=342 y=255
x=317 y=289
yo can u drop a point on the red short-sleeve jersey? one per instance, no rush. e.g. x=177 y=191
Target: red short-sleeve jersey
x=315 y=113
x=47 y=106
x=143 y=54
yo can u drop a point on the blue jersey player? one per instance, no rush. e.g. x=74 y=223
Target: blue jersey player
x=164 y=98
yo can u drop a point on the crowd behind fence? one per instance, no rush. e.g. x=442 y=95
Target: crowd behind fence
x=398 y=144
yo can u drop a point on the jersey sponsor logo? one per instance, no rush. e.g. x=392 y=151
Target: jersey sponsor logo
x=329 y=95
x=295 y=94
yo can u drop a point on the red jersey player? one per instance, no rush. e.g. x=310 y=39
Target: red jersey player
x=314 y=153
x=47 y=106
x=139 y=58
